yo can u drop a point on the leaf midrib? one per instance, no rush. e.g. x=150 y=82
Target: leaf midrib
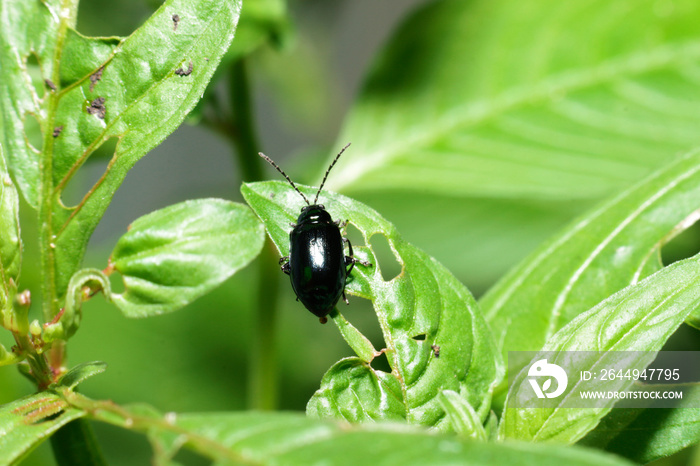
x=613 y=347
x=474 y=112
x=101 y=137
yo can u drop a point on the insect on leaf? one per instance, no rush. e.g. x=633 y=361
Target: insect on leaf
x=424 y=306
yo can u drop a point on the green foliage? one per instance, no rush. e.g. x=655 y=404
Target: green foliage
x=504 y=99
x=645 y=435
x=608 y=248
x=476 y=112
x=410 y=308
x=29 y=420
x=638 y=318
x=483 y=127
x=170 y=257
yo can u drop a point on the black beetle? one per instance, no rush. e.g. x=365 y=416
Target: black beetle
x=317 y=264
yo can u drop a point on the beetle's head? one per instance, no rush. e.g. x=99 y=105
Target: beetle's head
x=314 y=213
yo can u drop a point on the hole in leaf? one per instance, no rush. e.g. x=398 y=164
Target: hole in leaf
x=420 y=337
x=34 y=72
x=89 y=174
x=116 y=283
x=354 y=235
x=684 y=244
x=361 y=315
x=52 y=417
x=32 y=132
x=388 y=264
x=381 y=363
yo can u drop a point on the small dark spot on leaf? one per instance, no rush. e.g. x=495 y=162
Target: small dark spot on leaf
x=97 y=108
x=50 y=84
x=272 y=195
x=176 y=19
x=436 y=350
x=187 y=72
x=420 y=337
x=96 y=76
x=57 y=131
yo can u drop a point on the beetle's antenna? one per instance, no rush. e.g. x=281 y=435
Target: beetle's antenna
x=329 y=170
x=269 y=160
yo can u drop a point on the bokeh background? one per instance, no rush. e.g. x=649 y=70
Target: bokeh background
x=197 y=359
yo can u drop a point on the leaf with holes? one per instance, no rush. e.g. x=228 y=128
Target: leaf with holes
x=527 y=100
x=27 y=422
x=29 y=35
x=639 y=318
x=610 y=247
x=135 y=90
x=424 y=307
x=172 y=256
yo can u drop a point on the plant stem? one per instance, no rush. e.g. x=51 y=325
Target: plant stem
x=74 y=443
x=244 y=137
x=112 y=413
x=262 y=372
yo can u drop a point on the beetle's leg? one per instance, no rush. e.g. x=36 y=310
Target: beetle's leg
x=350 y=260
x=284 y=264
x=293 y=225
x=342 y=224
x=345 y=299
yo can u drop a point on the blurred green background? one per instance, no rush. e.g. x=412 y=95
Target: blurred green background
x=304 y=77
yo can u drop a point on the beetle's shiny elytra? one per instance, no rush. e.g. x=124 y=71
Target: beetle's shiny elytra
x=317 y=264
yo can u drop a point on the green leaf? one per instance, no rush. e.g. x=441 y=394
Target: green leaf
x=488 y=98
x=10 y=243
x=603 y=251
x=359 y=343
x=479 y=109
x=638 y=318
x=82 y=283
x=146 y=97
x=464 y=419
x=27 y=422
x=81 y=372
x=135 y=91
x=644 y=435
x=28 y=34
x=354 y=391
x=172 y=256
x=422 y=307
x=294 y=439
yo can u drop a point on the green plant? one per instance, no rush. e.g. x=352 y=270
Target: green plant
x=494 y=108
